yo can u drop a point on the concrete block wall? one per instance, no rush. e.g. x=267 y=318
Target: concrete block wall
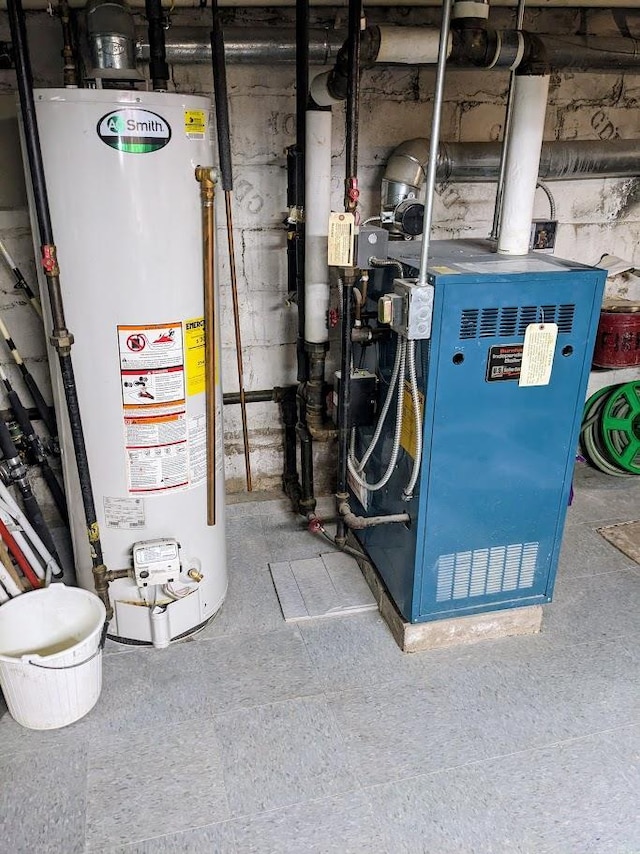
x=596 y=216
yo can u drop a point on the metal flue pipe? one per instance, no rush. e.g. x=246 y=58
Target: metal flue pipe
x=476 y=162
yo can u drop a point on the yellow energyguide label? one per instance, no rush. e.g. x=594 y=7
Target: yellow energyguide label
x=194 y=337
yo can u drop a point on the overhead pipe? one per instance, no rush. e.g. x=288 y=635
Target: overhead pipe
x=386 y=44
x=249 y=46
x=61 y=338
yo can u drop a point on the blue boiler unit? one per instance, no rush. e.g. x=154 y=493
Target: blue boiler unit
x=498 y=457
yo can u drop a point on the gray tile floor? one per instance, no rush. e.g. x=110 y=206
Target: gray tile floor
x=258 y=736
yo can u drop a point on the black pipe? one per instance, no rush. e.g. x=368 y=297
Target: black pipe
x=220 y=96
x=158 y=68
x=34 y=445
x=61 y=338
x=302 y=82
x=348 y=279
x=260 y=396
x=17 y=472
x=45 y=412
x=344 y=402
x=353 y=106
x=290 y=479
x=307 y=502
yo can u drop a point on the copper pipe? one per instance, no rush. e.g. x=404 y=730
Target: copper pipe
x=236 y=324
x=206 y=177
x=70 y=72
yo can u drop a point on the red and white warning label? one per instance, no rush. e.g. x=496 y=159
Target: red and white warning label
x=153 y=387
x=164 y=450
x=152 y=347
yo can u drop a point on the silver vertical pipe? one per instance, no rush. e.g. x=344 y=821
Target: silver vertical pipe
x=435 y=139
x=497 y=211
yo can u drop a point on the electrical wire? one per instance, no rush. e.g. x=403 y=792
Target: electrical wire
x=393 y=459
x=383 y=414
x=387 y=262
x=552 y=205
x=417 y=414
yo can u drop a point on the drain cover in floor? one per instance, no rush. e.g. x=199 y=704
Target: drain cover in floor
x=624 y=536
x=324 y=586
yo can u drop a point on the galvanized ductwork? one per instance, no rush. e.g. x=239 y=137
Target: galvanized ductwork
x=111 y=37
x=465 y=162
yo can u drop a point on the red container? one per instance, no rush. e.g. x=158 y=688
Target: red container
x=618 y=339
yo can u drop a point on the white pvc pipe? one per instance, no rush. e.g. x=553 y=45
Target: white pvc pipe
x=319 y=91
x=18 y=516
x=409 y=45
x=317 y=190
x=8 y=583
x=522 y=163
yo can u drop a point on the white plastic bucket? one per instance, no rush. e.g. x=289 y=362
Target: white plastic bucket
x=51 y=655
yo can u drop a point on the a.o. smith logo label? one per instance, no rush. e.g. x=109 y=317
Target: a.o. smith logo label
x=134 y=131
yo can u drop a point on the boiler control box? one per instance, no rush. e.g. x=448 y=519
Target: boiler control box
x=156 y=561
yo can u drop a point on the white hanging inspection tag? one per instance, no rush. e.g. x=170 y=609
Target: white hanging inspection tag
x=341 y=239
x=537 y=354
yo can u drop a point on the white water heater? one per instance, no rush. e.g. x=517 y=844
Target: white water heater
x=125 y=206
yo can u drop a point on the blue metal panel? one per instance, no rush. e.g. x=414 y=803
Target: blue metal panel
x=497 y=457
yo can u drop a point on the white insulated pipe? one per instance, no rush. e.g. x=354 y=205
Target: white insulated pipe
x=409 y=45
x=398 y=46
x=317 y=194
x=522 y=162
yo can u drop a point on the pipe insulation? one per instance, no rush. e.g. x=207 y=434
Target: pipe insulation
x=477 y=162
x=317 y=184
x=397 y=45
x=524 y=146
x=409 y=46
